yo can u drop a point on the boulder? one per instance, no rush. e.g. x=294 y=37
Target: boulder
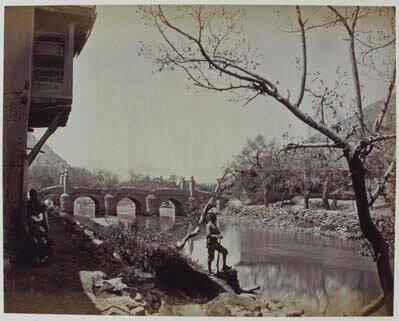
x=97 y=241
x=137 y=311
x=297 y=313
x=115 y=311
x=88 y=233
x=219 y=305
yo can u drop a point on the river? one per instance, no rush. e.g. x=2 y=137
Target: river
x=325 y=275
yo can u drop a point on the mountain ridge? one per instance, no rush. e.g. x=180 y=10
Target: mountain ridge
x=49 y=157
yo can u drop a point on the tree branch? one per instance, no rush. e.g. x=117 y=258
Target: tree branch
x=294 y=146
x=203 y=52
x=380 y=138
x=316 y=26
x=215 y=195
x=375 y=48
x=262 y=85
x=304 y=57
x=355 y=18
x=382 y=183
x=355 y=71
x=341 y=19
x=378 y=122
x=252 y=98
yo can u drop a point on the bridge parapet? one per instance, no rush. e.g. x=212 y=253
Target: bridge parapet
x=147 y=202
x=134 y=190
x=169 y=191
x=51 y=190
x=87 y=190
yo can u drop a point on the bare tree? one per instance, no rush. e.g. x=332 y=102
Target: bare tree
x=214 y=54
x=105 y=179
x=258 y=168
x=220 y=187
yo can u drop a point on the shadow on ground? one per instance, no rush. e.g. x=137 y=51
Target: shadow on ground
x=55 y=288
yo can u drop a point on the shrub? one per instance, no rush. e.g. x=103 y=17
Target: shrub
x=142 y=247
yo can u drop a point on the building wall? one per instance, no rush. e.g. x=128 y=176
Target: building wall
x=18 y=38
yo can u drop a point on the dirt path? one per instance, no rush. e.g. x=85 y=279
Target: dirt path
x=55 y=288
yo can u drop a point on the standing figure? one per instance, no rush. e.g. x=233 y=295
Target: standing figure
x=213 y=238
x=37 y=214
x=39 y=248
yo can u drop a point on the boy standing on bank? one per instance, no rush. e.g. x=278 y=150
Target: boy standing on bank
x=213 y=237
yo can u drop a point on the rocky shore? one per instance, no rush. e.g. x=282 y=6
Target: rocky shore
x=117 y=289
x=126 y=290
x=342 y=223
x=242 y=305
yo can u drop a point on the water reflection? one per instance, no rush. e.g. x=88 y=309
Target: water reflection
x=326 y=275
x=84 y=206
x=126 y=209
x=160 y=223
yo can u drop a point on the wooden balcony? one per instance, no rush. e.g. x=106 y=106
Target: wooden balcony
x=60 y=34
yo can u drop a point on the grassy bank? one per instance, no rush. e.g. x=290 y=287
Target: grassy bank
x=342 y=222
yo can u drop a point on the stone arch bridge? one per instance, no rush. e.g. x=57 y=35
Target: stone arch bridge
x=147 y=202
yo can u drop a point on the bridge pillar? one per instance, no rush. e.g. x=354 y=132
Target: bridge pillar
x=101 y=211
x=182 y=184
x=152 y=205
x=66 y=182
x=191 y=186
x=66 y=204
x=110 y=205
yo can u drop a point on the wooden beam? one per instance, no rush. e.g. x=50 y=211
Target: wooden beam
x=30 y=148
x=68 y=60
x=50 y=130
x=80 y=11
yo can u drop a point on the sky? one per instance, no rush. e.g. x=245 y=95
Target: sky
x=126 y=116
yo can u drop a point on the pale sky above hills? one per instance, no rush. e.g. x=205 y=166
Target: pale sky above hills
x=124 y=116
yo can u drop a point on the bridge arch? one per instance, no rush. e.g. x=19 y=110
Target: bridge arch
x=52 y=193
x=51 y=199
x=177 y=204
x=138 y=204
x=82 y=197
x=126 y=207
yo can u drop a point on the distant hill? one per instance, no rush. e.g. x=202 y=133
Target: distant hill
x=49 y=157
x=370 y=114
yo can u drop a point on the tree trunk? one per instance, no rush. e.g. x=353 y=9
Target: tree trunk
x=370 y=232
x=335 y=203
x=283 y=198
x=306 y=186
x=266 y=192
x=374 y=306
x=326 y=204
x=306 y=199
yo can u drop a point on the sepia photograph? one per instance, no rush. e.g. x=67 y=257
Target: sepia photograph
x=208 y=160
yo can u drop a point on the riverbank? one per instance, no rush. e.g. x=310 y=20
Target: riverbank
x=187 y=291
x=97 y=280
x=87 y=276
x=342 y=223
